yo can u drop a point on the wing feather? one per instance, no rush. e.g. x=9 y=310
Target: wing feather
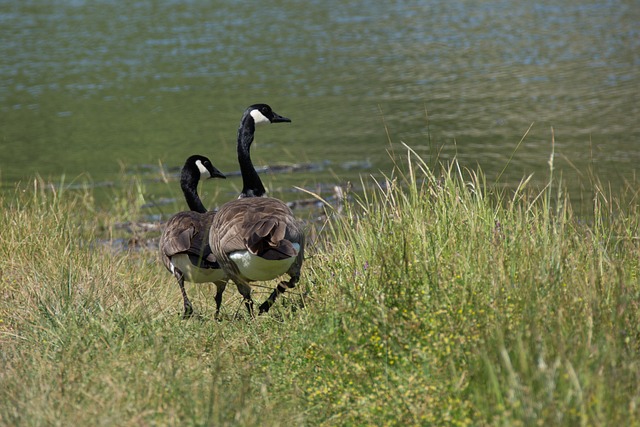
x=188 y=233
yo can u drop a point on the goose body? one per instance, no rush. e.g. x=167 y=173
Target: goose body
x=184 y=244
x=185 y=248
x=256 y=238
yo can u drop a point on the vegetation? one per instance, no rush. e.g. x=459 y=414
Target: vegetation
x=432 y=299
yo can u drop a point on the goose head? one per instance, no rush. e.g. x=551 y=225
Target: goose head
x=263 y=114
x=194 y=168
x=197 y=167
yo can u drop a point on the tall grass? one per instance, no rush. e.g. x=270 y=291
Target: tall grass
x=430 y=299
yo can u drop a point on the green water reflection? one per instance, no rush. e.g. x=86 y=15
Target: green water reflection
x=87 y=87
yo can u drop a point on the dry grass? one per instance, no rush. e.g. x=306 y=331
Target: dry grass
x=431 y=300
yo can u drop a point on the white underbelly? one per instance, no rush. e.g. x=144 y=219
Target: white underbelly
x=256 y=268
x=194 y=274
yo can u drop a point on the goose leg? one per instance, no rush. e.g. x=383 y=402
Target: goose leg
x=188 y=308
x=294 y=274
x=245 y=291
x=280 y=289
x=220 y=290
x=249 y=304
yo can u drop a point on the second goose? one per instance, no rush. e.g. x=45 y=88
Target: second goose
x=256 y=238
x=184 y=244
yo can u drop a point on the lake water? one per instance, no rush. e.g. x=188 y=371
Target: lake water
x=95 y=88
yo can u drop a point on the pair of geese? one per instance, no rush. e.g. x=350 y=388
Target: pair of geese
x=252 y=238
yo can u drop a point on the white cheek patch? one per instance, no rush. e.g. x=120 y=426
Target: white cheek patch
x=203 y=170
x=259 y=118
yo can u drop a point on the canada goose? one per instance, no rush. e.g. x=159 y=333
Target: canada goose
x=184 y=244
x=256 y=238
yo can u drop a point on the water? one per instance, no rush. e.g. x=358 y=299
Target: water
x=92 y=88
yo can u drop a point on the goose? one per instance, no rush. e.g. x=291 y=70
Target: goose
x=184 y=244
x=256 y=238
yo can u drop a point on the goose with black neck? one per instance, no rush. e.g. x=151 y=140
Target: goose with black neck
x=257 y=238
x=184 y=244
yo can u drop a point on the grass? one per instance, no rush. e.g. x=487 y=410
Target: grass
x=431 y=299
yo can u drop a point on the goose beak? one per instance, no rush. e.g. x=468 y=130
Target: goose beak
x=215 y=173
x=277 y=118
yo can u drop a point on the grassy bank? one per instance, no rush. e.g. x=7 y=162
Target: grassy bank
x=433 y=299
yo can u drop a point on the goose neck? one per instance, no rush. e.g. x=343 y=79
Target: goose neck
x=189 y=187
x=251 y=184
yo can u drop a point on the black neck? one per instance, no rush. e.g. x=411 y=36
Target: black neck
x=251 y=183
x=189 y=185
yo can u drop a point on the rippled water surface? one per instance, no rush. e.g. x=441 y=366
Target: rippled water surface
x=98 y=87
